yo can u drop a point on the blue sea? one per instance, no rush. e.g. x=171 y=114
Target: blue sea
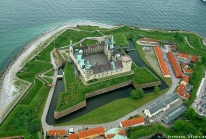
x=21 y=21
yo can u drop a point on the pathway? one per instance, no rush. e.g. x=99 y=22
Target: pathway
x=109 y=125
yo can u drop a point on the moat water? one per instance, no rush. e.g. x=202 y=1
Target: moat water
x=100 y=100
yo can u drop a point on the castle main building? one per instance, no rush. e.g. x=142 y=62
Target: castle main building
x=100 y=60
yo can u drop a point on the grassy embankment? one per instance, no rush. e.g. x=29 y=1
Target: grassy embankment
x=142 y=131
x=25 y=118
x=75 y=89
x=129 y=104
x=134 y=35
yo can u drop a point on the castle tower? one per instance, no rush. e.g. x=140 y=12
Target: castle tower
x=111 y=49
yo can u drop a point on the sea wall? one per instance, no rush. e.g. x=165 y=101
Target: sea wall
x=60 y=114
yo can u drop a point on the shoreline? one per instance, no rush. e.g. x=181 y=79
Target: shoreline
x=8 y=76
x=9 y=73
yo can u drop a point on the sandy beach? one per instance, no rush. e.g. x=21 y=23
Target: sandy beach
x=8 y=87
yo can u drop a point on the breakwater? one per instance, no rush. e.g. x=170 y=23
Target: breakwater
x=59 y=114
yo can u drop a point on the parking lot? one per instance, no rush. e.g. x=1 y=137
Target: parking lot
x=200 y=103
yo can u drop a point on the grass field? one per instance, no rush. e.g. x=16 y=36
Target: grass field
x=75 y=90
x=28 y=112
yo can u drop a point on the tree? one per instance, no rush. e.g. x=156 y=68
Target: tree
x=190 y=113
x=203 y=59
x=156 y=89
x=138 y=93
x=178 y=125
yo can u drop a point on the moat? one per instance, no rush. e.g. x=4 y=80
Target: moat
x=100 y=100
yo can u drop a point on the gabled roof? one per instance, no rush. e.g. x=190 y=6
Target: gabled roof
x=194 y=58
x=132 y=122
x=148 y=40
x=174 y=65
x=125 y=58
x=57 y=133
x=187 y=70
x=91 y=132
x=118 y=64
x=184 y=95
x=180 y=88
x=162 y=102
x=174 y=114
x=181 y=55
x=186 y=79
x=72 y=136
x=162 y=63
x=171 y=97
x=183 y=65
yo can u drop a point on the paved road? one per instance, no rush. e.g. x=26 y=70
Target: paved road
x=47 y=127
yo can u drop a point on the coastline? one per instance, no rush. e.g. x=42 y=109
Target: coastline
x=8 y=76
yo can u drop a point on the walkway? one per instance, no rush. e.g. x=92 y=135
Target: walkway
x=109 y=125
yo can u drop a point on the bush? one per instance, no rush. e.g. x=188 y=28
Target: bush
x=138 y=93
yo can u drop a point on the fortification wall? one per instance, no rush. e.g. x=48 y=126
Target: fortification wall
x=60 y=114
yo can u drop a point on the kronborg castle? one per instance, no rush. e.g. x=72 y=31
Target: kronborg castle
x=100 y=60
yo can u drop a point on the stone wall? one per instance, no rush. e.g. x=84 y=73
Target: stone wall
x=60 y=114
x=146 y=85
x=110 y=88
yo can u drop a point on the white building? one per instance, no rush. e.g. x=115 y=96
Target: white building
x=162 y=104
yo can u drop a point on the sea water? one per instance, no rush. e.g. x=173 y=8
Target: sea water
x=21 y=21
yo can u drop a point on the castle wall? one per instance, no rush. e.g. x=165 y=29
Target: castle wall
x=78 y=106
x=60 y=114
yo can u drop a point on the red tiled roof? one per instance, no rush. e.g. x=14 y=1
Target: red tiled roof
x=57 y=133
x=110 y=136
x=148 y=40
x=174 y=65
x=180 y=88
x=72 y=136
x=123 y=133
x=181 y=55
x=187 y=70
x=184 y=95
x=161 y=61
x=186 y=79
x=183 y=65
x=194 y=58
x=91 y=132
x=131 y=122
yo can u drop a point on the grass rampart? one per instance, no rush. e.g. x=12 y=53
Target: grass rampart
x=76 y=89
x=15 y=123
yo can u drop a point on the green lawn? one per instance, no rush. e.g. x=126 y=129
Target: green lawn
x=49 y=80
x=106 y=113
x=88 y=42
x=26 y=115
x=75 y=90
x=50 y=72
x=142 y=131
x=120 y=39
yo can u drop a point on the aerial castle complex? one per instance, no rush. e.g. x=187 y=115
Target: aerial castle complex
x=99 y=60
